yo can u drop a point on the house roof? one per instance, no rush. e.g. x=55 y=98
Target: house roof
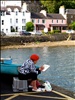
x=49 y=16
x=55 y=16
x=13 y=7
x=38 y=15
x=70 y=11
x=3 y=9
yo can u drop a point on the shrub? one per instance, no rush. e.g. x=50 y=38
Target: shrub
x=56 y=31
x=29 y=26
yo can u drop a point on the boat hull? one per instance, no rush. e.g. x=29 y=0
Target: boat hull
x=9 y=68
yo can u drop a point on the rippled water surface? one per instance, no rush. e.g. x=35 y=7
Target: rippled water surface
x=60 y=59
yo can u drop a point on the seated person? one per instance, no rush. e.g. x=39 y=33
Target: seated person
x=29 y=71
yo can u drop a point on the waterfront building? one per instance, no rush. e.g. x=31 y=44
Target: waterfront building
x=13 y=16
x=68 y=14
x=47 y=20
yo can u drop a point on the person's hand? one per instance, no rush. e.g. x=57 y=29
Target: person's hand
x=41 y=68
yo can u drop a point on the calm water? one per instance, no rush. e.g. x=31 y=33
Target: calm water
x=60 y=59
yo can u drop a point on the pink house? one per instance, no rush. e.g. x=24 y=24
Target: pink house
x=51 y=21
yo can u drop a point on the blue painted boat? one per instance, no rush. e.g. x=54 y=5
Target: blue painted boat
x=6 y=60
x=7 y=67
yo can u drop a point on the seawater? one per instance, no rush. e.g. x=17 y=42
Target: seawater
x=60 y=59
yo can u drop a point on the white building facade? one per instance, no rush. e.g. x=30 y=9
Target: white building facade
x=13 y=16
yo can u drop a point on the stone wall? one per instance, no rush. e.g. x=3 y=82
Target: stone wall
x=12 y=40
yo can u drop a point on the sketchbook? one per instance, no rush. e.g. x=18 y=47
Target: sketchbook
x=45 y=67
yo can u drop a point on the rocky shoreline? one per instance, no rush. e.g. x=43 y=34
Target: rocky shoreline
x=41 y=44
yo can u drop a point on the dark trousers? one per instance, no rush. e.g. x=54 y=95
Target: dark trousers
x=31 y=76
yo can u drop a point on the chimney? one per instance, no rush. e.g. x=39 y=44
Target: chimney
x=43 y=12
x=24 y=6
x=62 y=10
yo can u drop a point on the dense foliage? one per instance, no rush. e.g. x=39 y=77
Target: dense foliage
x=73 y=25
x=29 y=26
x=52 y=6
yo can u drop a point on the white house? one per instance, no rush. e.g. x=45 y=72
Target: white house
x=5 y=20
x=13 y=16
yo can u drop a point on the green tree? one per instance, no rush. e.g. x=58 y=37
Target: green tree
x=48 y=5
x=52 y=6
x=29 y=26
x=73 y=25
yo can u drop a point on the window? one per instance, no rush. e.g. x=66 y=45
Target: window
x=62 y=21
x=71 y=16
x=23 y=13
x=38 y=20
x=64 y=28
x=16 y=20
x=33 y=20
x=57 y=21
x=2 y=2
x=2 y=13
x=6 y=30
x=16 y=28
x=16 y=13
x=10 y=20
x=52 y=20
x=23 y=27
x=71 y=21
x=23 y=20
x=43 y=21
x=2 y=22
x=2 y=30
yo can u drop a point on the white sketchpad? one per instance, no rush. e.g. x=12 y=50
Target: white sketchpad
x=45 y=67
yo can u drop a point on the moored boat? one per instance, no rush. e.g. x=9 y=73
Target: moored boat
x=7 y=67
x=6 y=60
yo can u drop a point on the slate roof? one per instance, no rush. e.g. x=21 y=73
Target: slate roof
x=13 y=7
x=55 y=16
x=38 y=15
x=70 y=11
x=49 y=16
